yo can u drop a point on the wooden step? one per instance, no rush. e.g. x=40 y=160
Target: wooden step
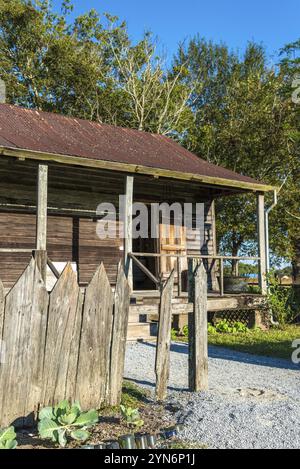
x=136 y=316
x=139 y=331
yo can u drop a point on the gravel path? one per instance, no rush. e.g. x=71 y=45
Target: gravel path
x=253 y=402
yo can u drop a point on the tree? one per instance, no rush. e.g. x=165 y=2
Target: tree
x=157 y=99
x=87 y=67
x=290 y=207
x=241 y=122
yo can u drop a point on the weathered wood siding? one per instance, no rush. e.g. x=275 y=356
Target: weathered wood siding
x=69 y=239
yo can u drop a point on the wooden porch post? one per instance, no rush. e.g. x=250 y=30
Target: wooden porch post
x=128 y=228
x=197 y=321
x=41 y=219
x=262 y=242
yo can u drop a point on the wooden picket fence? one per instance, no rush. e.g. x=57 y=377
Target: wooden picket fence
x=69 y=344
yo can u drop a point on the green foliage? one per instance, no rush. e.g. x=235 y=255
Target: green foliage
x=276 y=342
x=8 y=438
x=255 y=289
x=66 y=420
x=131 y=416
x=224 y=327
x=280 y=300
x=211 y=329
x=185 y=331
x=133 y=395
x=174 y=334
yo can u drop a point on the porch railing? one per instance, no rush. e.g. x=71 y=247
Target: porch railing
x=179 y=258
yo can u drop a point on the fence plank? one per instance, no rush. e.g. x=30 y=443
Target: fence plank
x=119 y=337
x=162 y=362
x=94 y=353
x=198 y=347
x=63 y=335
x=2 y=302
x=24 y=332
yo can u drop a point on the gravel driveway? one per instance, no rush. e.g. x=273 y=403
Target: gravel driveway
x=253 y=402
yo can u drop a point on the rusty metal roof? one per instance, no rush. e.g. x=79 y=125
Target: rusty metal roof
x=33 y=130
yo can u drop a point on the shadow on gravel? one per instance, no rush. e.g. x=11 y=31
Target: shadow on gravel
x=221 y=353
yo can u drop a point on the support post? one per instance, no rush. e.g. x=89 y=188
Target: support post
x=163 y=344
x=128 y=229
x=262 y=243
x=41 y=219
x=198 y=343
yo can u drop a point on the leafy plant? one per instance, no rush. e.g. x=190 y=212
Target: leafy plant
x=211 y=329
x=185 y=331
x=239 y=327
x=280 y=300
x=224 y=327
x=8 y=438
x=66 y=420
x=174 y=334
x=131 y=416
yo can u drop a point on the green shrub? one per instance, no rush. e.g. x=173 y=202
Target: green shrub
x=174 y=334
x=131 y=416
x=211 y=329
x=66 y=420
x=185 y=331
x=223 y=327
x=280 y=300
x=240 y=327
x=8 y=438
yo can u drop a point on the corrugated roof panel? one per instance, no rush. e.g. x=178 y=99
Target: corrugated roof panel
x=52 y=133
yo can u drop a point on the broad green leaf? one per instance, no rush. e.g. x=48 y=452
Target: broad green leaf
x=68 y=419
x=62 y=440
x=12 y=444
x=46 y=428
x=80 y=435
x=62 y=408
x=46 y=412
x=7 y=434
x=87 y=418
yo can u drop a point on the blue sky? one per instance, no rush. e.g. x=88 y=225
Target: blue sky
x=272 y=22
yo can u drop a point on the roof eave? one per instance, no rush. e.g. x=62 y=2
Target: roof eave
x=133 y=168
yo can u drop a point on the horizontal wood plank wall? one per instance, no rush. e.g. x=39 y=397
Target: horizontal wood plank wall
x=70 y=239
x=202 y=240
x=93 y=251
x=74 y=192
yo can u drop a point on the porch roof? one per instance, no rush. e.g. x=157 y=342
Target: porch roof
x=51 y=137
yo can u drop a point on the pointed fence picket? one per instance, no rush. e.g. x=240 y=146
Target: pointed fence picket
x=62 y=345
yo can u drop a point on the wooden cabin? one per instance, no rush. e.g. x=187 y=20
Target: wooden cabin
x=56 y=170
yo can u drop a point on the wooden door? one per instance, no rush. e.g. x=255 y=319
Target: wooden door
x=172 y=240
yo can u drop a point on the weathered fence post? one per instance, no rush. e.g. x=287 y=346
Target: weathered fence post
x=162 y=362
x=24 y=335
x=198 y=348
x=63 y=336
x=95 y=340
x=119 y=337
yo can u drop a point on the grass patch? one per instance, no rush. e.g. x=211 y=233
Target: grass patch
x=272 y=343
x=183 y=444
x=133 y=395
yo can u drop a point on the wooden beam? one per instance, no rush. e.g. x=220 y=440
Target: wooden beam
x=41 y=220
x=163 y=344
x=128 y=229
x=42 y=199
x=145 y=270
x=261 y=232
x=197 y=321
x=133 y=168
